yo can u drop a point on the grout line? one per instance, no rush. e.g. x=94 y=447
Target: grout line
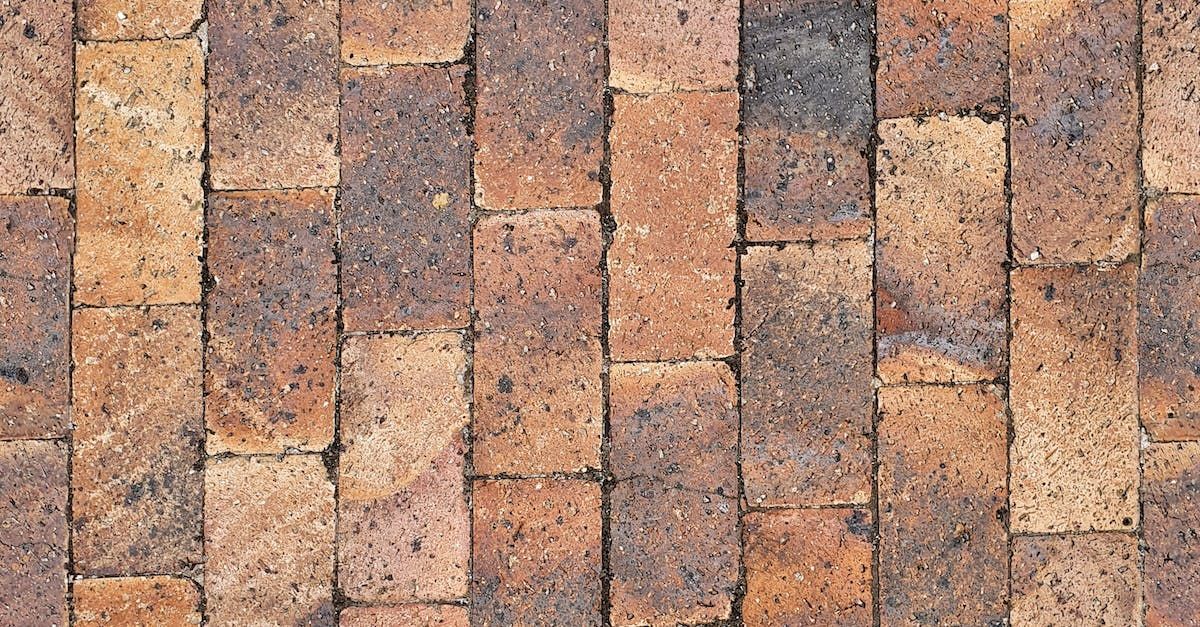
x=206 y=284
x=737 y=609
x=470 y=100
x=332 y=455
x=1143 y=194
x=608 y=227
x=73 y=211
x=1010 y=262
x=872 y=181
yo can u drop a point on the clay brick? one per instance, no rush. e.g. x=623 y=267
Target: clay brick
x=537 y=359
x=410 y=615
x=1074 y=130
x=1089 y=579
x=33 y=533
x=806 y=374
x=536 y=553
x=1169 y=319
x=943 y=457
x=272 y=321
x=941 y=250
x=1170 y=108
x=424 y=31
x=674 y=198
x=539 y=122
x=268 y=533
x=273 y=102
x=405 y=199
x=1171 y=496
x=36 y=239
x=673 y=45
x=403 y=523
x=136 y=19
x=808 y=567
x=1074 y=399
x=161 y=601
x=36 y=139
x=941 y=57
x=139 y=202
x=808 y=112
x=135 y=485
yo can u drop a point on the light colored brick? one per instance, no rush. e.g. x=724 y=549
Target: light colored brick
x=136 y=19
x=1170 y=108
x=421 y=31
x=159 y=601
x=33 y=533
x=1089 y=579
x=673 y=45
x=410 y=615
x=1171 y=486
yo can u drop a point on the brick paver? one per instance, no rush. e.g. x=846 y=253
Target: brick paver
x=162 y=601
x=1089 y=579
x=425 y=31
x=1172 y=505
x=108 y=20
x=672 y=45
x=33 y=533
x=416 y=615
x=1170 y=106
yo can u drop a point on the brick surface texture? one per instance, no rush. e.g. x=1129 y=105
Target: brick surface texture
x=110 y=20
x=1089 y=579
x=158 y=600
x=424 y=31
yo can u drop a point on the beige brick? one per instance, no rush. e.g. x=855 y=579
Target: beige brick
x=33 y=533
x=136 y=19
x=1089 y=579
x=410 y=615
x=673 y=45
x=421 y=31
x=160 y=601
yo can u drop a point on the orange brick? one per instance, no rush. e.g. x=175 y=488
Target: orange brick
x=1089 y=579
x=537 y=360
x=136 y=19
x=33 y=533
x=161 y=601
x=410 y=615
x=674 y=198
x=673 y=45
x=1170 y=109
x=425 y=31
x=1171 y=497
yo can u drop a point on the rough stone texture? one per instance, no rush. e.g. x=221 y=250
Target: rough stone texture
x=409 y=615
x=36 y=104
x=33 y=533
x=136 y=19
x=136 y=489
x=943 y=502
x=1074 y=399
x=1170 y=105
x=937 y=56
x=536 y=553
x=807 y=89
x=140 y=208
x=1089 y=579
x=403 y=523
x=674 y=198
x=537 y=359
x=808 y=567
x=271 y=320
x=1074 y=130
x=806 y=374
x=273 y=93
x=405 y=199
x=160 y=601
x=268 y=533
x=1169 y=319
x=539 y=122
x=36 y=239
x=1171 y=493
x=941 y=250
x=415 y=31
x=673 y=45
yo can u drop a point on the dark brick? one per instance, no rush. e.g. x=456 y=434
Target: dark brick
x=1170 y=106
x=1086 y=579
x=1171 y=506
x=33 y=533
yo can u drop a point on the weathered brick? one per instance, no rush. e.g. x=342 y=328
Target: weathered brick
x=405 y=199
x=537 y=359
x=273 y=93
x=140 y=207
x=1089 y=579
x=36 y=140
x=421 y=31
x=674 y=198
x=1074 y=130
x=536 y=553
x=807 y=88
x=1171 y=494
x=809 y=566
x=1170 y=108
x=410 y=615
x=943 y=456
x=268 y=534
x=160 y=601
x=806 y=374
x=136 y=490
x=941 y=250
x=33 y=533
x=539 y=116
x=136 y=19
x=1074 y=399
x=403 y=522
x=36 y=239
x=673 y=45
x=271 y=320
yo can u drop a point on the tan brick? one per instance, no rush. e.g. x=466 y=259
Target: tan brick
x=806 y=374
x=403 y=523
x=273 y=101
x=33 y=533
x=943 y=501
x=941 y=250
x=405 y=199
x=1089 y=579
x=673 y=45
x=536 y=553
x=537 y=360
x=136 y=19
x=36 y=239
x=140 y=207
x=268 y=534
x=271 y=320
x=1074 y=399
x=410 y=615
x=420 y=31
x=160 y=601
x=808 y=567
x=539 y=123
x=1170 y=108
x=674 y=198
x=1074 y=131
x=1171 y=487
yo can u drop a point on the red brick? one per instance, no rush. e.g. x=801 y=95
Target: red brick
x=1170 y=108
x=36 y=239
x=674 y=198
x=537 y=359
x=673 y=45
x=410 y=615
x=160 y=601
x=272 y=321
x=941 y=250
x=33 y=533
x=539 y=123
x=136 y=19
x=1089 y=579
x=424 y=31
x=806 y=374
x=403 y=523
x=405 y=199
x=1074 y=130
x=1171 y=505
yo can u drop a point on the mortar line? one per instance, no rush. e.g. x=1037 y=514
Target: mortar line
x=1010 y=262
x=332 y=455
x=470 y=101
x=1139 y=82
x=739 y=339
x=73 y=212
x=872 y=182
x=607 y=229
